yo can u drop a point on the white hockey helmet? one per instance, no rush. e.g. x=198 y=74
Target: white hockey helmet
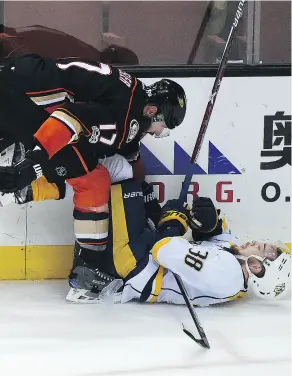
x=273 y=282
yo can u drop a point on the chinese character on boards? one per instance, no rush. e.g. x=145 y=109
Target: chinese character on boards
x=277 y=141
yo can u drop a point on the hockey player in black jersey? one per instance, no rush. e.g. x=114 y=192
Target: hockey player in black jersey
x=70 y=113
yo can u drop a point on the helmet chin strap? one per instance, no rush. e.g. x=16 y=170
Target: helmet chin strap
x=240 y=257
x=246 y=258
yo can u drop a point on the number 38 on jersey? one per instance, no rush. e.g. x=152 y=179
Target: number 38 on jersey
x=195 y=259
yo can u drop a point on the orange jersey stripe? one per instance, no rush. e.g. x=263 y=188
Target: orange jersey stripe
x=53 y=136
x=81 y=158
x=126 y=120
x=50 y=91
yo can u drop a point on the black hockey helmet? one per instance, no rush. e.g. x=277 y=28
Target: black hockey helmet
x=170 y=99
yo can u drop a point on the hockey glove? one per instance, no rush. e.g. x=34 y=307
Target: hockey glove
x=203 y=216
x=174 y=215
x=218 y=230
x=15 y=178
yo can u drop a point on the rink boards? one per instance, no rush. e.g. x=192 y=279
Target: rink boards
x=244 y=166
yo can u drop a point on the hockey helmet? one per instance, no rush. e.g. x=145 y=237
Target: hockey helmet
x=170 y=99
x=272 y=279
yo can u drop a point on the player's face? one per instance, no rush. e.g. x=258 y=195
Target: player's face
x=267 y=250
x=159 y=129
x=255 y=266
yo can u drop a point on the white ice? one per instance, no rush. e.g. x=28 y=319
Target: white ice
x=42 y=334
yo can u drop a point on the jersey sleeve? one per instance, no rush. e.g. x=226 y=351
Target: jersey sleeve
x=170 y=252
x=85 y=80
x=90 y=84
x=62 y=127
x=94 y=81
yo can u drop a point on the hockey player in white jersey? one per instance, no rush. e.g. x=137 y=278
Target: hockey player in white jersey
x=213 y=267
x=212 y=271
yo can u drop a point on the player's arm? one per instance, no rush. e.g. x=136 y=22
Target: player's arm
x=179 y=256
x=176 y=218
x=94 y=81
x=84 y=80
x=39 y=190
x=88 y=82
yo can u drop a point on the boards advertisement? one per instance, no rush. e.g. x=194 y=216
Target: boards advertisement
x=245 y=161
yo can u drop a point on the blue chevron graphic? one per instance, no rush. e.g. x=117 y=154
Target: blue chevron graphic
x=152 y=164
x=182 y=162
x=218 y=163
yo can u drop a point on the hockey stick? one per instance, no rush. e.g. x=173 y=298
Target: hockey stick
x=203 y=341
x=200 y=33
x=211 y=102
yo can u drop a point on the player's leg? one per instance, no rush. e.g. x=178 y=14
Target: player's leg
x=89 y=279
x=91 y=223
x=128 y=223
x=127 y=246
x=91 y=196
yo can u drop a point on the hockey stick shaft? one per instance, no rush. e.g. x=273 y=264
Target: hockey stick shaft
x=211 y=102
x=203 y=341
x=200 y=33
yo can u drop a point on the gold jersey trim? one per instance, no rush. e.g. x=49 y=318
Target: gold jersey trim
x=123 y=257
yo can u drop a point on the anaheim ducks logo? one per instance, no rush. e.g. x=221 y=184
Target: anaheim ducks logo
x=181 y=102
x=133 y=130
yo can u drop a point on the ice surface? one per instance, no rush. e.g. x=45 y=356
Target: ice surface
x=42 y=334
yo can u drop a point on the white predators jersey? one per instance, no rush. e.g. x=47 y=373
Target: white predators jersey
x=211 y=274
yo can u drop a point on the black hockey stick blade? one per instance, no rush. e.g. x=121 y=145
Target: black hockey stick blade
x=202 y=342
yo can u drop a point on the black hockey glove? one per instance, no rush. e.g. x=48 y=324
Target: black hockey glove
x=174 y=215
x=15 y=178
x=203 y=216
x=218 y=230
